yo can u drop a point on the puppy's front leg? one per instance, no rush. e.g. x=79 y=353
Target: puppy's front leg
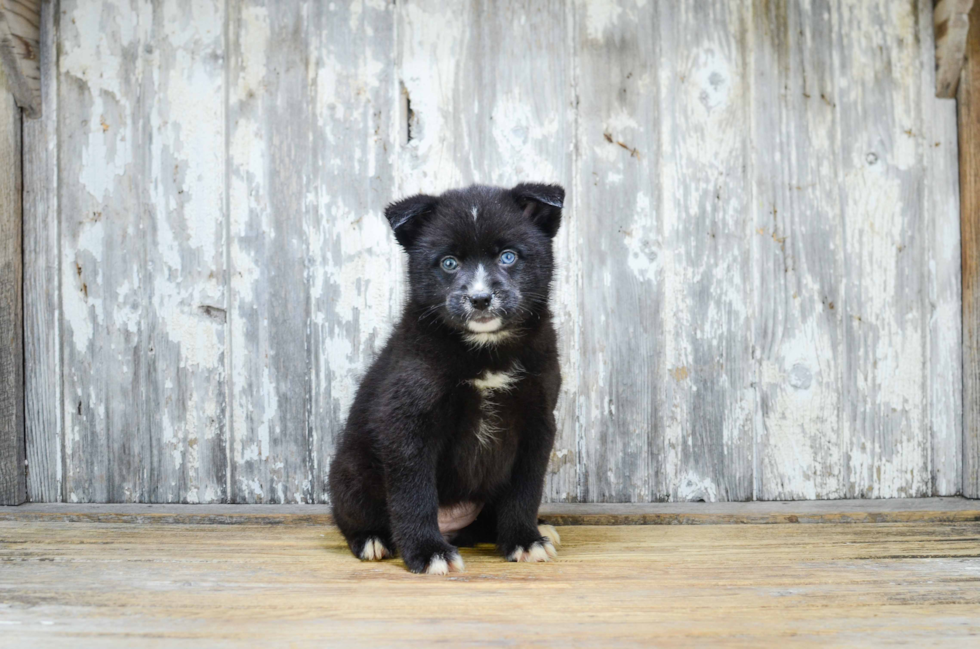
x=413 y=504
x=518 y=536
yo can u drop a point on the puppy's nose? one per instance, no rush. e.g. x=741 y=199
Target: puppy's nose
x=480 y=300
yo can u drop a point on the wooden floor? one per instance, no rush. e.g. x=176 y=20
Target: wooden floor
x=111 y=584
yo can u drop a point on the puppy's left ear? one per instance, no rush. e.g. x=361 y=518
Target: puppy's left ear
x=542 y=204
x=408 y=215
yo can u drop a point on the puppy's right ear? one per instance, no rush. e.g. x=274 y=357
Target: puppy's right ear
x=408 y=215
x=542 y=204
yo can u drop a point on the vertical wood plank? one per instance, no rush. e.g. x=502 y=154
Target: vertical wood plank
x=142 y=273
x=12 y=475
x=620 y=247
x=354 y=270
x=103 y=275
x=710 y=395
x=885 y=426
x=941 y=302
x=563 y=480
x=271 y=180
x=184 y=338
x=797 y=252
x=42 y=304
x=968 y=101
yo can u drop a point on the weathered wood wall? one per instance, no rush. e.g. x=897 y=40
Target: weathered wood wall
x=759 y=267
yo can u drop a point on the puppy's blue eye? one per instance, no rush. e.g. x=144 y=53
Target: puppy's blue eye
x=508 y=257
x=449 y=264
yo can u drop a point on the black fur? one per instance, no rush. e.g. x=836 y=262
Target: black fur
x=411 y=441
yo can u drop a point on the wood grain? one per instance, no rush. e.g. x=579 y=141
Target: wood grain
x=880 y=174
x=354 y=271
x=184 y=329
x=968 y=102
x=102 y=146
x=749 y=585
x=942 y=300
x=20 y=25
x=799 y=266
x=758 y=280
x=617 y=222
x=12 y=473
x=709 y=368
x=313 y=295
x=142 y=274
x=270 y=158
x=42 y=277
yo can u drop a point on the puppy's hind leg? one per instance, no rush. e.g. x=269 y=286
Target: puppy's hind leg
x=369 y=533
x=361 y=513
x=370 y=546
x=367 y=530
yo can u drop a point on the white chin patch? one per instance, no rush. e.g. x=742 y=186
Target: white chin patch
x=482 y=340
x=487 y=327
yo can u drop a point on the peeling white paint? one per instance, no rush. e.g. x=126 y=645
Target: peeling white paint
x=600 y=17
x=431 y=40
x=696 y=488
x=642 y=241
x=97 y=62
x=517 y=129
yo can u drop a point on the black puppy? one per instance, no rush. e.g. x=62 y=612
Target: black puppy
x=450 y=433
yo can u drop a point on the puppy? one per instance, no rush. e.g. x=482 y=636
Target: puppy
x=449 y=436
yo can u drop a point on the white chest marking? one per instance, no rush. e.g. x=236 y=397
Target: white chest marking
x=495 y=381
x=473 y=211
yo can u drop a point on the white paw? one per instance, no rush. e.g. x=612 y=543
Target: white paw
x=537 y=552
x=549 y=532
x=439 y=566
x=374 y=550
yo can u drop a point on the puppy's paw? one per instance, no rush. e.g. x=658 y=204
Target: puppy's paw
x=433 y=558
x=542 y=550
x=371 y=548
x=444 y=563
x=549 y=532
x=532 y=544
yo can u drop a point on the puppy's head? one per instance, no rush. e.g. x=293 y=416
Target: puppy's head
x=480 y=258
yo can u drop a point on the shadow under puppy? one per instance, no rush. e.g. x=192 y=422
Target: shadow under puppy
x=450 y=433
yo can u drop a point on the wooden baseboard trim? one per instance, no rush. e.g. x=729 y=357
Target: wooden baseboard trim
x=899 y=510
x=904 y=510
